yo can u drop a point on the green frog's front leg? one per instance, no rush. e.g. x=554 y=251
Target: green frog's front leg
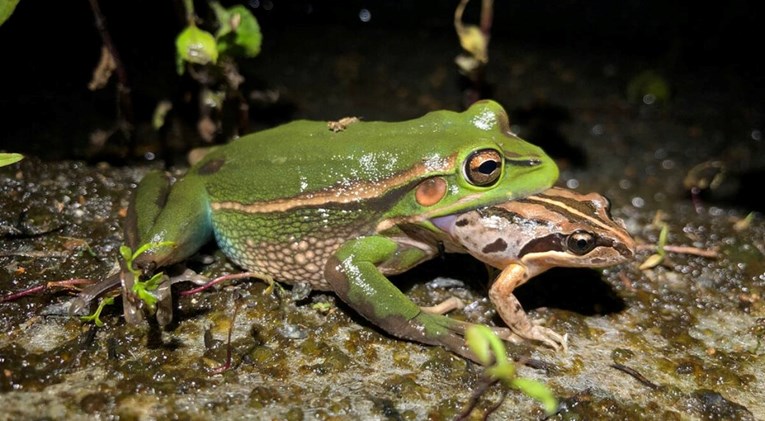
x=355 y=277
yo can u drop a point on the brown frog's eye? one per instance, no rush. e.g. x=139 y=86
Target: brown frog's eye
x=483 y=167
x=580 y=243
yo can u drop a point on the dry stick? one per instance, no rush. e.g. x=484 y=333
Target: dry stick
x=493 y=408
x=229 y=349
x=634 y=373
x=482 y=387
x=67 y=283
x=221 y=279
x=682 y=250
x=125 y=108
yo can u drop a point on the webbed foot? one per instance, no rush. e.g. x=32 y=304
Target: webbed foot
x=434 y=329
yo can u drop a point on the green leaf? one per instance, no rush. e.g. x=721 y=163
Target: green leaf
x=196 y=46
x=652 y=261
x=538 y=391
x=10 y=158
x=143 y=289
x=239 y=33
x=96 y=316
x=153 y=282
x=481 y=340
x=126 y=253
x=6 y=10
x=476 y=339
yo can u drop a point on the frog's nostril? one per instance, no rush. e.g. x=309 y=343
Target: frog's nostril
x=625 y=250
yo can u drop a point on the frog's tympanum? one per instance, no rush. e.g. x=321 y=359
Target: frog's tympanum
x=337 y=208
x=527 y=236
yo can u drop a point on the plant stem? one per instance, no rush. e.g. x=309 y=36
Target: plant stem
x=125 y=102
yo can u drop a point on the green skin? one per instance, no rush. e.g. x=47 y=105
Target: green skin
x=302 y=203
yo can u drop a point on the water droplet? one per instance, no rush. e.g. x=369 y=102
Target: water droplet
x=365 y=15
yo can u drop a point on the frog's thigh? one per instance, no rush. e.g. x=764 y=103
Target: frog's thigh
x=146 y=203
x=511 y=311
x=184 y=219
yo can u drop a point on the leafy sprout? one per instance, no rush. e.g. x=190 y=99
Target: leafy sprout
x=143 y=289
x=490 y=351
x=238 y=35
x=658 y=257
x=96 y=316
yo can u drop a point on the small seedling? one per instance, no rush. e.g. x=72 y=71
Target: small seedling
x=490 y=351
x=143 y=289
x=96 y=316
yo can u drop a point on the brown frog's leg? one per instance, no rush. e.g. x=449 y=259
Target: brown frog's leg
x=511 y=311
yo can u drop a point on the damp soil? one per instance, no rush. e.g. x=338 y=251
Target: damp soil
x=682 y=340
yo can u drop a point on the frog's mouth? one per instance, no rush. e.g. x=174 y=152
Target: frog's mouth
x=445 y=223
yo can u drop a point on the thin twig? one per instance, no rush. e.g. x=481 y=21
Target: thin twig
x=634 y=373
x=229 y=349
x=483 y=386
x=220 y=279
x=125 y=109
x=712 y=254
x=67 y=283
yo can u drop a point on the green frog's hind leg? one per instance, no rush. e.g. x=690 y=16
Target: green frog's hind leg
x=354 y=276
x=161 y=212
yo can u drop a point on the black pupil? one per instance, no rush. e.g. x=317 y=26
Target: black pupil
x=581 y=243
x=487 y=167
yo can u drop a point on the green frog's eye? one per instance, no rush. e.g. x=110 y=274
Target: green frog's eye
x=483 y=167
x=580 y=243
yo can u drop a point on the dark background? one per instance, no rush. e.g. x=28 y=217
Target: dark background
x=49 y=49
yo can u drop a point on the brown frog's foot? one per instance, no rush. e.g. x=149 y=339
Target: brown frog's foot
x=450 y=304
x=547 y=336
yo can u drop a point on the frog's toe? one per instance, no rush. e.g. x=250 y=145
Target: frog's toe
x=548 y=337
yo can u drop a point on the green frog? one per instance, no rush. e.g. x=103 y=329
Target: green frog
x=339 y=207
x=527 y=236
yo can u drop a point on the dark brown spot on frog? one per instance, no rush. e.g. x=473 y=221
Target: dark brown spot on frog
x=211 y=167
x=497 y=246
x=462 y=222
x=553 y=242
